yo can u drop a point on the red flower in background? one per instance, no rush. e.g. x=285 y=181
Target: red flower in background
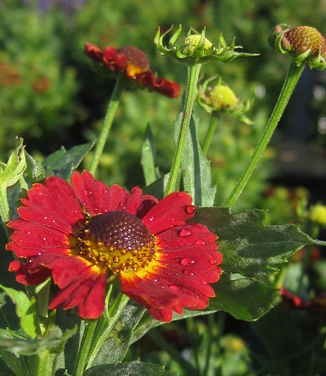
x=79 y=234
x=134 y=65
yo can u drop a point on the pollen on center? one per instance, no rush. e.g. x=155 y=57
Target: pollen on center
x=116 y=240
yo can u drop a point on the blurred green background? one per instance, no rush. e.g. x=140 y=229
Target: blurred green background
x=51 y=95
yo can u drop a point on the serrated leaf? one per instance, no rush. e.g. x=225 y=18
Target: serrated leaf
x=249 y=247
x=10 y=174
x=148 y=157
x=53 y=343
x=35 y=170
x=62 y=162
x=195 y=167
x=25 y=309
x=135 y=368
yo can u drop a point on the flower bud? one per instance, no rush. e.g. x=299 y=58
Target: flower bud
x=318 y=214
x=222 y=98
x=194 y=43
x=305 y=43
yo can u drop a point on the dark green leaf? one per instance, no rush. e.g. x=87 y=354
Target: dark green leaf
x=115 y=347
x=158 y=187
x=134 y=368
x=196 y=170
x=63 y=162
x=249 y=247
x=243 y=298
x=148 y=157
x=15 y=344
x=25 y=309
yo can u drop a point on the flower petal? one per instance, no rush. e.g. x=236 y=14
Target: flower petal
x=138 y=204
x=95 y=196
x=28 y=276
x=174 y=210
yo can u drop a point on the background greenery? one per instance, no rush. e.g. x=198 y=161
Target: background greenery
x=51 y=96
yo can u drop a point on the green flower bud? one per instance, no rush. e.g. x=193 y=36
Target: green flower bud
x=194 y=42
x=222 y=98
x=318 y=214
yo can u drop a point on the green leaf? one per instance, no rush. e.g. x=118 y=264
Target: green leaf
x=158 y=187
x=25 y=309
x=135 y=368
x=244 y=298
x=148 y=322
x=148 y=157
x=19 y=345
x=249 y=247
x=195 y=167
x=10 y=174
x=115 y=347
x=35 y=170
x=63 y=162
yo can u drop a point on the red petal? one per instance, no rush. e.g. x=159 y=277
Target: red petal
x=160 y=85
x=137 y=204
x=95 y=196
x=31 y=239
x=93 y=52
x=169 y=212
x=28 y=276
x=113 y=60
x=161 y=314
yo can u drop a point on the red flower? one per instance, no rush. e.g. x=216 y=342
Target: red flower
x=82 y=233
x=134 y=65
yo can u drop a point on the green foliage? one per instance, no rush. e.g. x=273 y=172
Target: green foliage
x=196 y=170
x=134 y=368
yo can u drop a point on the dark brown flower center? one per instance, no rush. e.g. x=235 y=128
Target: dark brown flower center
x=116 y=240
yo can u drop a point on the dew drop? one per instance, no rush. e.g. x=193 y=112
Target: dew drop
x=39 y=253
x=188 y=272
x=44 y=238
x=212 y=261
x=199 y=242
x=180 y=194
x=45 y=217
x=155 y=280
x=184 y=233
x=87 y=192
x=151 y=219
x=187 y=261
x=190 y=209
x=28 y=232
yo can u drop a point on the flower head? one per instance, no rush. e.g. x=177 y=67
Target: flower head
x=196 y=48
x=220 y=98
x=304 y=43
x=318 y=214
x=133 y=64
x=83 y=233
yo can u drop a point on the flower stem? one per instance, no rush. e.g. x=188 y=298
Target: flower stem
x=85 y=346
x=109 y=116
x=290 y=82
x=192 y=79
x=210 y=133
x=106 y=327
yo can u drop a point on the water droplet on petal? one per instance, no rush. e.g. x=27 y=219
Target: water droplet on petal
x=174 y=288
x=28 y=232
x=180 y=194
x=199 y=242
x=188 y=272
x=187 y=261
x=190 y=209
x=39 y=253
x=45 y=217
x=151 y=219
x=44 y=238
x=87 y=192
x=212 y=261
x=155 y=280
x=184 y=233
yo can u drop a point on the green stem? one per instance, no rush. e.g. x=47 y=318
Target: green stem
x=109 y=116
x=211 y=324
x=210 y=133
x=193 y=74
x=290 y=82
x=85 y=346
x=104 y=332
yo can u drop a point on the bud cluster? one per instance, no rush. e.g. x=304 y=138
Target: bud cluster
x=196 y=48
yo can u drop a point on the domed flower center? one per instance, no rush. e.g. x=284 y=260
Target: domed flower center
x=116 y=240
x=137 y=60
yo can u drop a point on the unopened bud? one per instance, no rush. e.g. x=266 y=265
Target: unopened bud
x=318 y=214
x=192 y=42
x=222 y=97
